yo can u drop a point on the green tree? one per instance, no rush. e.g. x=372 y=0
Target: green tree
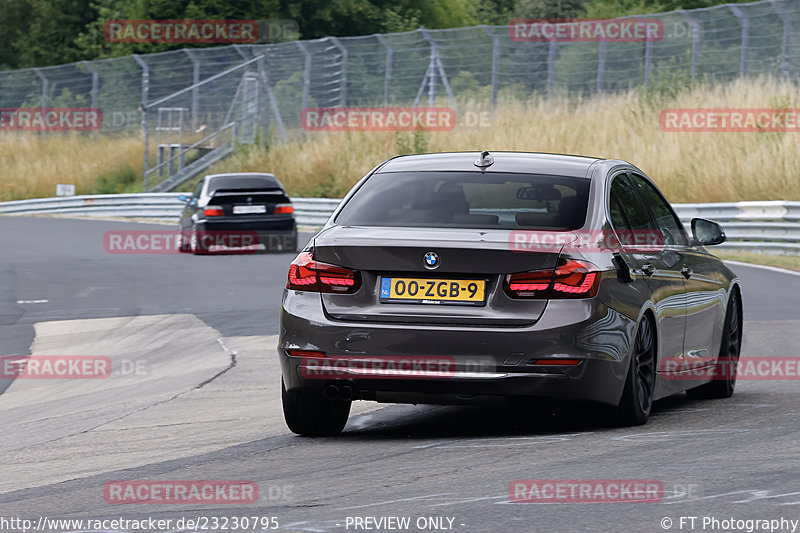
x=50 y=36
x=549 y=9
x=14 y=22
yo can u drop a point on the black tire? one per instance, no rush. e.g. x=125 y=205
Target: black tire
x=637 y=395
x=731 y=346
x=184 y=247
x=196 y=243
x=309 y=414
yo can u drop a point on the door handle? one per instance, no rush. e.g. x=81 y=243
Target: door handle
x=648 y=269
x=686 y=270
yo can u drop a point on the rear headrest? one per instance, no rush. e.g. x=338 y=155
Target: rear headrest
x=461 y=218
x=568 y=208
x=449 y=198
x=412 y=215
x=568 y=205
x=543 y=220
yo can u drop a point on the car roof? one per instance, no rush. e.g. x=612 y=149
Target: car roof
x=521 y=162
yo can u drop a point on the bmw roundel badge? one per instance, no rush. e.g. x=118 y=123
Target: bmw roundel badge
x=431 y=260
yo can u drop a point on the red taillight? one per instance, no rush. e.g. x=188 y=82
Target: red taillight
x=571 y=279
x=306 y=353
x=528 y=284
x=576 y=277
x=214 y=211
x=556 y=362
x=283 y=209
x=307 y=274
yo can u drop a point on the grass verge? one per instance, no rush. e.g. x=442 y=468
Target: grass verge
x=689 y=167
x=790 y=262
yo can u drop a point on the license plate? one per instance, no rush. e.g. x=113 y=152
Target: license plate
x=433 y=291
x=249 y=209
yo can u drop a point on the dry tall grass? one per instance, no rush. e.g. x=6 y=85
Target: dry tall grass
x=31 y=165
x=689 y=167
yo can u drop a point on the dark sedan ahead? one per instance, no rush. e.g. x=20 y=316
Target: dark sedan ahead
x=448 y=278
x=238 y=211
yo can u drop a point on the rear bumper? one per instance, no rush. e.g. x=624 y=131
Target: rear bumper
x=266 y=224
x=485 y=361
x=275 y=232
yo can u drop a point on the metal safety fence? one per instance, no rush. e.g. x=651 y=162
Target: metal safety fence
x=481 y=63
x=763 y=227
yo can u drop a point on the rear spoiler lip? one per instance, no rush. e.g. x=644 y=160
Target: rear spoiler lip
x=236 y=192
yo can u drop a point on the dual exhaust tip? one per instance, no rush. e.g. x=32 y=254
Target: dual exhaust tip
x=339 y=392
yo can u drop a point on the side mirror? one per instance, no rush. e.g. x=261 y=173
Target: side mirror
x=707 y=232
x=183 y=198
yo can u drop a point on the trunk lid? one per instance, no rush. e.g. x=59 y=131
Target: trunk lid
x=463 y=254
x=249 y=203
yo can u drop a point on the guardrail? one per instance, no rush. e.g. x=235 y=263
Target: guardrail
x=313 y=212
x=762 y=227
x=771 y=227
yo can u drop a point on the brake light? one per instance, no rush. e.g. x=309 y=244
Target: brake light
x=308 y=274
x=214 y=211
x=570 y=279
x=283 y=209
x=528 y=284
x=576 y=277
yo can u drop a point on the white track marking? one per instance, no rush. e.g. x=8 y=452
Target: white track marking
x=765 y=267
x=415 y=498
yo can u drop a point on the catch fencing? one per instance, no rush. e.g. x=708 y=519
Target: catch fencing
x=771 y=227
x=478 y=64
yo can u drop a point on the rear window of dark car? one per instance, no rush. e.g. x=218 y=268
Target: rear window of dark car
x=469 y=200
x=242 y=183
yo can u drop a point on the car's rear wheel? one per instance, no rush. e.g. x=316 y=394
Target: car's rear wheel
x=197 y=244
x=724 y=382
x=309 y=414
x=185 y=246
x=637 y=396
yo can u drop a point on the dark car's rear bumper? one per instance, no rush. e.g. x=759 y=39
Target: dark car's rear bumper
x=486 y=361
x=275 y=232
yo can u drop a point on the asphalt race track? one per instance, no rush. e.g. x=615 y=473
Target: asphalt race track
x=194 y=395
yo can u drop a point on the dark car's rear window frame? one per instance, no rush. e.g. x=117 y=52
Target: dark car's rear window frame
x=234 y=183
x=349 y=215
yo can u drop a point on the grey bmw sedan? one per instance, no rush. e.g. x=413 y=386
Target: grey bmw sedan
x=458 y=277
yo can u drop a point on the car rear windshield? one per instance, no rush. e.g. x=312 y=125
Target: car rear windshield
x=242 y=183
x=468 y=200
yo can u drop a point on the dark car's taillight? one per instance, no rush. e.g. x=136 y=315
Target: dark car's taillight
x=308 y=274
x=283 y=209
x=213 y=211
x=571 y=279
